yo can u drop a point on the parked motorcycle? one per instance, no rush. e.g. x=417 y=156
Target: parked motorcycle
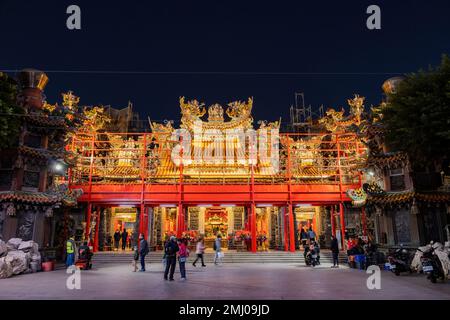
x=400 y=261
x=432 y=266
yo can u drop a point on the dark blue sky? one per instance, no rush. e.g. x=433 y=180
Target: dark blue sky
x=327 y=41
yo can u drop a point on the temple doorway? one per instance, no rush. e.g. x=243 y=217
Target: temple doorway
x=122 y=219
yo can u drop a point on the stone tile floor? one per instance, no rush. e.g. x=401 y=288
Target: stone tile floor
x=233 y=281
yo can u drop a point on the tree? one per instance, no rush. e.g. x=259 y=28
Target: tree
x=417 y=117
x=9 y=111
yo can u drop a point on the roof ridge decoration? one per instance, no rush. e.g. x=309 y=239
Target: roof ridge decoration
x=336 y=120
x=239 y=113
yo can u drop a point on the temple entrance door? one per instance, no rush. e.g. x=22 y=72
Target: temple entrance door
x=122 y=219
x=216 y=222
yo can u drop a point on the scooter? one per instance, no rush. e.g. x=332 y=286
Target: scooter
x=432 y=266
x=400 y=261
x=312 y=258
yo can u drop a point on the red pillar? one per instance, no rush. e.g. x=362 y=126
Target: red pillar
x=364 y=221
x=333 y=221
x=253 y=227
x=341 y=212
x=285 y=223
x=180 y=220
x=141 y=218
x=88 y=220
x=97 y=224
x=291 y=228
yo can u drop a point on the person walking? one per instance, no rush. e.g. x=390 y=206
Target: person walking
x=183 y=253
x=70 y=251
x=117 y=237
x=135 y=259
x=304 y=236
x=170 y=251
x=312 y=235
x=143 y=251
x=335 y=252
x=199 y=251
x=124 y=239
x=218 y=249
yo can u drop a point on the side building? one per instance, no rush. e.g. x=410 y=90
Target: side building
x=406 y=211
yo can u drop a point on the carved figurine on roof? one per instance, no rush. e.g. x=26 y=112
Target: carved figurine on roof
x=335 y=121
x=239 y=113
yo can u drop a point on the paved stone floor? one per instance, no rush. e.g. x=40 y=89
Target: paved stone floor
x=233 y=281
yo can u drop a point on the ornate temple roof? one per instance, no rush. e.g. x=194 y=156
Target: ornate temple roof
x=28 y=197
x=388 y=159
x=408 y=196
x=45 y=121
x=40 y=153
x=65 y=196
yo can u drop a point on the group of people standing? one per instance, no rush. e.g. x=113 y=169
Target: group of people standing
x=123 y=237
x=176 y=249
x=309 y=242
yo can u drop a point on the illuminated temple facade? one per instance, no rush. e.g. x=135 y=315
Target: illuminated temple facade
x=220 y=173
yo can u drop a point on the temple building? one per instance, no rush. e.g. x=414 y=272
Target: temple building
x=218 y=173
x=407 y=211
x=31 y=199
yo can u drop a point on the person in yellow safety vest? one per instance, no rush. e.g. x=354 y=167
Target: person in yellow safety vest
x=70 y=252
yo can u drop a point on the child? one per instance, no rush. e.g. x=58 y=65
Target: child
x=135 y=259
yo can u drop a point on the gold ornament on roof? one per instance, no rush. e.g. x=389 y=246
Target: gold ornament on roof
x=70 y=100
x=356 y=107
x=215 y=113
x=237 y=109
x=50 y=107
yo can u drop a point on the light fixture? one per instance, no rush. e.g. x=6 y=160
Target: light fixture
x=58 y=167
x=303 y=205
x=264 y=205
x=168 y=205
x=204 y=205
x=227 y=205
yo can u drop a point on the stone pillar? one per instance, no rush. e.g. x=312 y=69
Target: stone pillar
x=150 y=224
x=102 y=229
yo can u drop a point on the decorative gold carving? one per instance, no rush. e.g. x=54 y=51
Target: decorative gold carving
x=70 y=100
x=215 y=113
x=356 y=107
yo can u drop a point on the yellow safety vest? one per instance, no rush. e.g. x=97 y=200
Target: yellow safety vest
x=69 y=247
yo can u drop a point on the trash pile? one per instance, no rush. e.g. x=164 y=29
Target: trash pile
x=17 y=256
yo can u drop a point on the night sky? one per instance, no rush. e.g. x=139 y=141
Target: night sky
x=152 y=52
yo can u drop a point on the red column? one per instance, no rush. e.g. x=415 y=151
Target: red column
x=333 y=221
x=341 y=211
x=97 y=224
x=180 y=220
x=285 y=223
x=253 y=226
x=88 y=220
x=364 y=221
x=141 y=218
x=291 y=229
